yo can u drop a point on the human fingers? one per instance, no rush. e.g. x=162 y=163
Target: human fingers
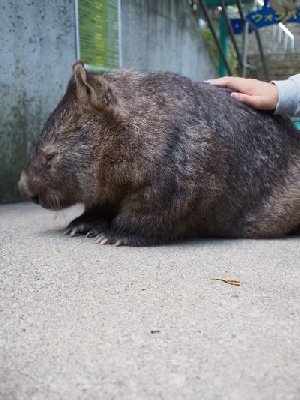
x=233 y=82
x=253 y=101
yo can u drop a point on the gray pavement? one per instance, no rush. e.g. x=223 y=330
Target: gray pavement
x=84 y=321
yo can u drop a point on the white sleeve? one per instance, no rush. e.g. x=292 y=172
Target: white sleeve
x=289 y=96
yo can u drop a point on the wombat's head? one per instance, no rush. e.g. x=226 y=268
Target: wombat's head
x=62 y=169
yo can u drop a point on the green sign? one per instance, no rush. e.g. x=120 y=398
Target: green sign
x=98 y=33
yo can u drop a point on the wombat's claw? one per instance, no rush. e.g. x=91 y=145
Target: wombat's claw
x=103 y=239
x=91 y=227
x=67 y=231
x=92 y=233
x=74 y=230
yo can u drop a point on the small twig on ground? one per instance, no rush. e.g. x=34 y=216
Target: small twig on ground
x=229 y=281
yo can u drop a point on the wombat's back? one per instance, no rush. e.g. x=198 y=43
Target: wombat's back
x=237 y=168
x=155 y=157
x=260 y=163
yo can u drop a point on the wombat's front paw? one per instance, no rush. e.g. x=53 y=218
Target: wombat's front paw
x=86 y=225
x=108 y=237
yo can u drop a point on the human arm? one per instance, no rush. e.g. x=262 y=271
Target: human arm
x=288 y=95
x=281 y=96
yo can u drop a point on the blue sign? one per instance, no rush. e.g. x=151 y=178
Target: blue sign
x=264 y=17
x=267 y=16
x=238 y=26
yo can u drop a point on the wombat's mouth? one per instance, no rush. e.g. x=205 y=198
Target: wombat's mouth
x=46 y=197
x=54 y=203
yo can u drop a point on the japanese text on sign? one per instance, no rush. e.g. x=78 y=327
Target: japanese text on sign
x=267 y=16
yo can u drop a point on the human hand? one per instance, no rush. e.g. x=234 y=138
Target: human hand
x=257 y=94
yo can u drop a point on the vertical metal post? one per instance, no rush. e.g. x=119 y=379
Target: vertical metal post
x=231 y=34
x=245 y=48
x=77 y=31
x=264 y=64
x=224 y=45
x=206 y=16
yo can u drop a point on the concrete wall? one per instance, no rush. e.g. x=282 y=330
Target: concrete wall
x=38 y=48
x=164 y=35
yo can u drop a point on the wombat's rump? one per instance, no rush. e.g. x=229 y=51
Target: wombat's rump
x=155 y=157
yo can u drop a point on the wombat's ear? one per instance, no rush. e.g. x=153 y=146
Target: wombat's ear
x=92 y=90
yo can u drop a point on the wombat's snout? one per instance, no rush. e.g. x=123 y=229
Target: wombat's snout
x=24 y=190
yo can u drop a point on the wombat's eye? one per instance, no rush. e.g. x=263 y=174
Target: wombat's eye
x=47 y=158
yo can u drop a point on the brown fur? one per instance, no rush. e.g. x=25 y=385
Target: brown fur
x=155 y=157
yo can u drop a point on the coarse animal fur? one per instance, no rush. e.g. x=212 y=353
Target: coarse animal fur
x=155 y=157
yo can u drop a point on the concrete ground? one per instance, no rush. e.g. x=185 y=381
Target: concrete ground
x=84 y=321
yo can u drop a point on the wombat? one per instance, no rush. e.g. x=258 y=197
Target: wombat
x=155 y=157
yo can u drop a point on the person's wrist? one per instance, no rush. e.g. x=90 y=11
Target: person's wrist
x=275 y=96
x=287 y=97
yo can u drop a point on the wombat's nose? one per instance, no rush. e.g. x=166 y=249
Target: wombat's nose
x=24 y=190
x=22 y=184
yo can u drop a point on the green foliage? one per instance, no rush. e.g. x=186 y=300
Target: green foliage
x=213 y=50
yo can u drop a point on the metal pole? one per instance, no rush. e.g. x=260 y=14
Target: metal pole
x=245 y=48
x=239 y=6
x=230 y=32
x=265 y=68
x=212 y=29
x=257 y=35
x=224 y=44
